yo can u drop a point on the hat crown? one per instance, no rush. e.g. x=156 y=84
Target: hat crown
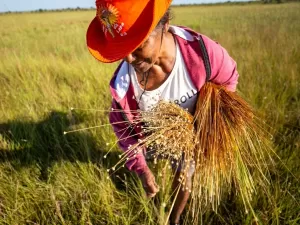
x=118 y=16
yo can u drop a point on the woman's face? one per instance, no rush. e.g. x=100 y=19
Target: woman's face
x=143 y=58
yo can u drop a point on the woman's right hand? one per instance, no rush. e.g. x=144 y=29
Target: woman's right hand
x=149 y=184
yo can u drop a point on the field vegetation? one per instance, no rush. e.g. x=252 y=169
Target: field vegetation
x=45 y=70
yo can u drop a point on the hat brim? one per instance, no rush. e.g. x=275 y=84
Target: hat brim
x=118 y=48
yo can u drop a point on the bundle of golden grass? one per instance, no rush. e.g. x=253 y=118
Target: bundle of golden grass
x=168 y=133
x=231 y=146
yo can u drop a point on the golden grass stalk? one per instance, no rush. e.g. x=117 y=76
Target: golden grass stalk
x=230 y=148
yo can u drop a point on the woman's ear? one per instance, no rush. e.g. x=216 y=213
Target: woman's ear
x=166 y=27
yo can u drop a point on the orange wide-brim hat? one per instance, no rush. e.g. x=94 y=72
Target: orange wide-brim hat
x=121 y=26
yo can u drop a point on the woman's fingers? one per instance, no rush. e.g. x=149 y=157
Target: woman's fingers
x=151 y=189
x=149 y=184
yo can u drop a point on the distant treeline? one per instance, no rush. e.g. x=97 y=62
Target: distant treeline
x=53 y=10
x=179 y=5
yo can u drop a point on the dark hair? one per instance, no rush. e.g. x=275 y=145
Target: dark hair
x=165 y=19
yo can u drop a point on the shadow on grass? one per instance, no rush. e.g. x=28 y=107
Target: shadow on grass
x=43 y=143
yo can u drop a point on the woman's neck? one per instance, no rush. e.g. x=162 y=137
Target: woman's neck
x=166 y=59
x=163 y=66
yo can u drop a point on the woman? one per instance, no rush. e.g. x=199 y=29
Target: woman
x=159 y=61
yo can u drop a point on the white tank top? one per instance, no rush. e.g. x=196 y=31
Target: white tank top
x=178 y=88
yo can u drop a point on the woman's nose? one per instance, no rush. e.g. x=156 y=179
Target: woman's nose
x=129 y=58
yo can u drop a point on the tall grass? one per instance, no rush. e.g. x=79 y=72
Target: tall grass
x=45 y=68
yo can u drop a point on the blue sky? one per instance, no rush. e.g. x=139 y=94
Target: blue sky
x=28 y=5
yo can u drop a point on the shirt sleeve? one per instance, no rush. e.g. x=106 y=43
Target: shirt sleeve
x=223 y=67
x=127 y=137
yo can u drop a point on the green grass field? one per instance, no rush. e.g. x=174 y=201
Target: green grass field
x=45 y=69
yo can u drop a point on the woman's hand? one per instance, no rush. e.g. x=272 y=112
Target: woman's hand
x=149 y=184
